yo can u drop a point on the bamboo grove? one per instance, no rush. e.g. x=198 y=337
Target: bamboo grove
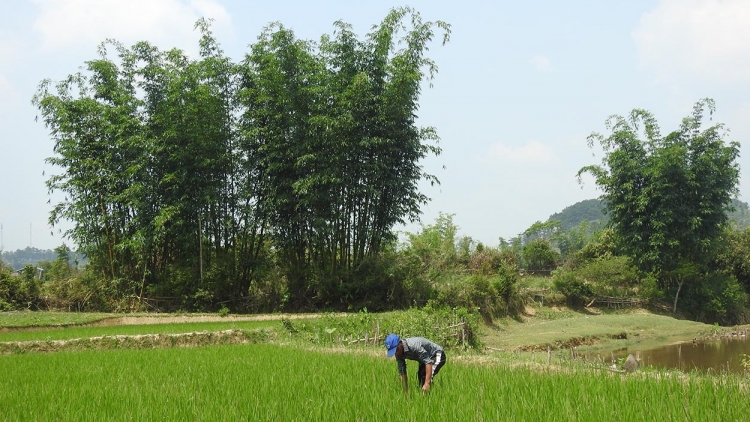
x=209 y=181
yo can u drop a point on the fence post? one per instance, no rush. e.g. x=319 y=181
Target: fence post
x=463 y=332
x=549 y=354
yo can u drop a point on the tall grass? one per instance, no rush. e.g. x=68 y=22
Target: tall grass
x=269 y=382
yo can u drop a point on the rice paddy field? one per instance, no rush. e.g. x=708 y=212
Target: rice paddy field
x=278 y=382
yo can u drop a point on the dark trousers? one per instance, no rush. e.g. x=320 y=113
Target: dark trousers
x=439 y=360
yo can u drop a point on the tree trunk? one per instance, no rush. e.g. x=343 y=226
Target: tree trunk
x=676 y=295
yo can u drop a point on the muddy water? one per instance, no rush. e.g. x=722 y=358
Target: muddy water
x=714 y=356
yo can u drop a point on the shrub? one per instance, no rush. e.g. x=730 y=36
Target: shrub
x=610 y=276
x=574 y=288
x=539 y=256
x=717 y=298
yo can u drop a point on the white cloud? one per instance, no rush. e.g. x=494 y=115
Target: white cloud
x=696 y=41
x=541 y=63
x=166 y=23
x=533 y=152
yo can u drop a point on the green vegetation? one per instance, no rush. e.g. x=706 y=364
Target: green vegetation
x=593 y=211
x=268 y=382
x=562 y=328
x=207 y=181
x=275 y=184
x=131 y=330
x=590 y=210
x=667 y=197
x=26 y=319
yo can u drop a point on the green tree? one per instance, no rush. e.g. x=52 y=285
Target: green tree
x=734 y=257
x=667 y=196
x=330 y=128
x=538 y=255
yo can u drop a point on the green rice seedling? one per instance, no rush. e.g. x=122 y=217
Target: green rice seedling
x=272 y=382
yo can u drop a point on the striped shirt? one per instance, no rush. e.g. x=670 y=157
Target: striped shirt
x=419 y=349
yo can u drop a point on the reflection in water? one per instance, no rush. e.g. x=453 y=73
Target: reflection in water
x=708 y=356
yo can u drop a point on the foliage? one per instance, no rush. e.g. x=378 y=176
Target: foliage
x=440 y=324
x=666 y=197
x=734 y=256
x=540 y=230
x=33 y=256
x=591 y=210
x=745 y=361
x=574 y=239
x=435 y=245
x=202 y=180
x=538 y=255
x=22 y=291
x=573 y=287
x=611 y=276
x=717 y=297
x=594 y=212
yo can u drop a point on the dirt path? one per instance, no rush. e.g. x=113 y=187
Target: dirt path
x=176 y=319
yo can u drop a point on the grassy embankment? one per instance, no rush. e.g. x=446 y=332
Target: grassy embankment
x=560 y=328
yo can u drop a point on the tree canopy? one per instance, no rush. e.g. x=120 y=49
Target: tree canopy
x=667 y=197
x=187 y=177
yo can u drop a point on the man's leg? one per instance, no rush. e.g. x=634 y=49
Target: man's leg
x=421 y=375
x=439 y=360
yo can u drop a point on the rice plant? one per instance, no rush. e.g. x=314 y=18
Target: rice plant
x=273 y=382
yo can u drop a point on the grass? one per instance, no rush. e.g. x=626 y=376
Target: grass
x=271 y=382
x=300 y=380
x=564 y=327
x=27 y=319
x=174 y=328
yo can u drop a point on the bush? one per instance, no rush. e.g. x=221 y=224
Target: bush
x=574 y=288
x=19 y=292
x=717 y=298
x=610 y=276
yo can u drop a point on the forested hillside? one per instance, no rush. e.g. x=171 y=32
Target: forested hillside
x=592 y=210
x=33 y=256
x=18 y=259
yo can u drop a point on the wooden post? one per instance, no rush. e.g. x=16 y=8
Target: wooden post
x=463 y=332
x=549 y=354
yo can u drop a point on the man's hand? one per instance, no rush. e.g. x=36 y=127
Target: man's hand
x=427 y=378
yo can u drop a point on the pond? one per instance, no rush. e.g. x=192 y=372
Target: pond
x=719 y=355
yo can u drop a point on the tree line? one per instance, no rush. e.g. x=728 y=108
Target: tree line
x=276 y=183
x=204 y=180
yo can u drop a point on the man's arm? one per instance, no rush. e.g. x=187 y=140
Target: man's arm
x=405 y=383
x=427 y=377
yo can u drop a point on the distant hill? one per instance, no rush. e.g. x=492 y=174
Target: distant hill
x=33 y=256
x=592 y=210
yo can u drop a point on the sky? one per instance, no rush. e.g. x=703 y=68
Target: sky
x=521 y=85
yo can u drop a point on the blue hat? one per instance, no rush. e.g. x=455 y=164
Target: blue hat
x=390 y=343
